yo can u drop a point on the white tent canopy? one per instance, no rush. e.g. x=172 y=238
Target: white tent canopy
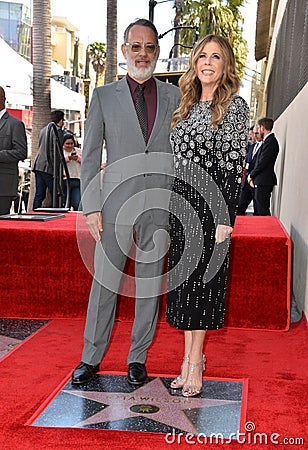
x=16 y=73
x=64 y=98
x=16 y=77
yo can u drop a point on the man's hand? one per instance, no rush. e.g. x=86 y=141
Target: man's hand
x=94 y=223
x=222 y=233
x=250 y=181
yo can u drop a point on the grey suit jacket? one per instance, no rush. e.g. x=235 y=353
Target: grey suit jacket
x=13 y=148
x=137 y=175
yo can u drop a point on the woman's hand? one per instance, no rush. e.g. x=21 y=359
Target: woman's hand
x=222 y=233
x=94 y=223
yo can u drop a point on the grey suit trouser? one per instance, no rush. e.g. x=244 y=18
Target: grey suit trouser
x=109 y=262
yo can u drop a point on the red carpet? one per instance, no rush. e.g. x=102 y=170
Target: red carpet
x=43 y=275
x=274 y=363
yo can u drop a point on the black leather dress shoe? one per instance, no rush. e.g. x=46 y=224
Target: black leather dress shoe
x=137 y=373
x=84 y=373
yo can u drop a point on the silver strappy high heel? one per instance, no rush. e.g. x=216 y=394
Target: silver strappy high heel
x=190 y=389
x=179 y=381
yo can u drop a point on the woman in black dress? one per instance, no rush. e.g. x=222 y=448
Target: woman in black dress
x=209 y=139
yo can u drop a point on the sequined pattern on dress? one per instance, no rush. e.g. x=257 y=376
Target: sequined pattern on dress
x=208 y=168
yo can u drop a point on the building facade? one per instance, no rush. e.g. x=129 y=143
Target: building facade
x=15 y=27
x=67 y=83
x=282 y=93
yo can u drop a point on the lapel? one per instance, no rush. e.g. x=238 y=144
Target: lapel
x=259 y=148
x=250 y=152
x=4 y=119
x=124 y=97
x=162 y=108
x=258 y=154
x=125 y=101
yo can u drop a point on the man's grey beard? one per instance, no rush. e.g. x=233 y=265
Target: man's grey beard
x=140 y=73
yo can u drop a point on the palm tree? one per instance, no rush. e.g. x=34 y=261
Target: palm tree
x=42 y=54
x=178 y=20
x=97 y=55
x=217 y=17
x=111 y=57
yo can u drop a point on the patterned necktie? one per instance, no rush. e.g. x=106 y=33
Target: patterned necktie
x=141 y=110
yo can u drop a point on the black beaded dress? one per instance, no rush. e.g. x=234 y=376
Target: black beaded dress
x=208 y=173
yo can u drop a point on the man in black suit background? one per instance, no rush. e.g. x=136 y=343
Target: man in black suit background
x=13 y=148
x=247 y=192
x=263 y=178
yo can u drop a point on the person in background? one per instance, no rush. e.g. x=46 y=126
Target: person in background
x=43 y=165
x=132 y=117
x=247 y=192
x=263 y=178
x=72 y=155
x=209 y=138
x=13 y=148
x=252 y=138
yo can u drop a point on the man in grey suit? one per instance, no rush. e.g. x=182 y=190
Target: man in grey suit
x=13 y=148
x=129 y=203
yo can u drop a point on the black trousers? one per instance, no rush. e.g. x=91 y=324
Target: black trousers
x=5 y=205
x=262 y=196
x=246 y=196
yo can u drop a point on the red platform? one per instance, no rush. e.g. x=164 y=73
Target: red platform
x=44 y=276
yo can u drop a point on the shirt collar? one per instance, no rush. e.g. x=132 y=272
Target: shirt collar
x=2 y=112
x=265 y=137
x=133 y=85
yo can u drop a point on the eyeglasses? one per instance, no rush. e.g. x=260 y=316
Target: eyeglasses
x=136 y=47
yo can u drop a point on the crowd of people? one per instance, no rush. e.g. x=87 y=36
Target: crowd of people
x=259 y=176
x=178 y=159
x=14 y=149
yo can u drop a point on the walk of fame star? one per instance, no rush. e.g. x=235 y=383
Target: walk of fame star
x=108 y=402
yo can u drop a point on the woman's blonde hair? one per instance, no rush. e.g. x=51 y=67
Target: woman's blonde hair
x=190 y=84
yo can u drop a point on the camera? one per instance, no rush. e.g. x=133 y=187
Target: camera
x=73 y=153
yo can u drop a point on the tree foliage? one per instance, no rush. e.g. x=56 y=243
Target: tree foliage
x=221 y=17
x=97 y=55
